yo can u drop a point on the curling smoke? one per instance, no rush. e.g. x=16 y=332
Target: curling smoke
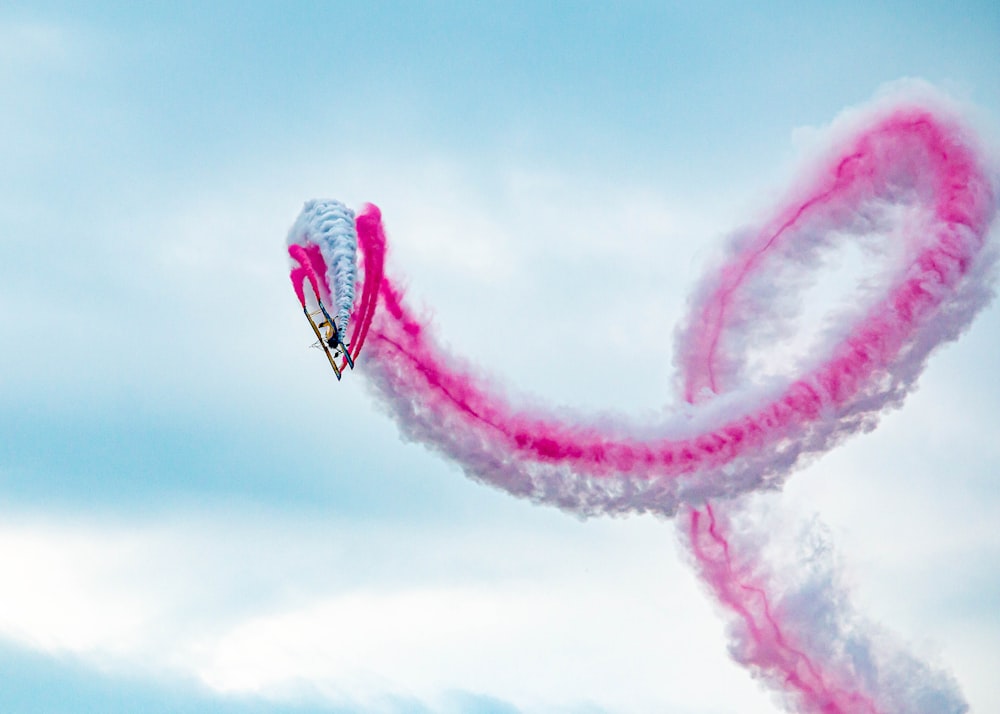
x=328 y=226
x=910 y=173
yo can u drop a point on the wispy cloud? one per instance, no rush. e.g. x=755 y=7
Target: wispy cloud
x=291 y=610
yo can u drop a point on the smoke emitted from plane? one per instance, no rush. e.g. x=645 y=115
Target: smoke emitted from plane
x=903 y=178
x=327 y=227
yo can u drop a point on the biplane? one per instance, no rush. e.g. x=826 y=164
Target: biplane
x=328 y=337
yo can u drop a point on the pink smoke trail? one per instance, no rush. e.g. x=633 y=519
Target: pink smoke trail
x=767 y=646
x=371 y=240
x=799 y=634
x=740 y=435
x=311 y=267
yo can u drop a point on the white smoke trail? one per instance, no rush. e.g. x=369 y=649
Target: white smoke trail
x=330 y=225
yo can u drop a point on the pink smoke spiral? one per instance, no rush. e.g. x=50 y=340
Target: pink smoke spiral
x=740 y=435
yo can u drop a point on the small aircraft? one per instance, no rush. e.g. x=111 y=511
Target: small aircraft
x=331 y=343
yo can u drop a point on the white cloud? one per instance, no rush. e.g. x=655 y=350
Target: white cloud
x=534 y=608
x=63 y=593
x=555 y=613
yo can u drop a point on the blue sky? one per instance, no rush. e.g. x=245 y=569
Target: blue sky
x=194 y=517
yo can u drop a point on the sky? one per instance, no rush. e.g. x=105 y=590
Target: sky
x=194 y=515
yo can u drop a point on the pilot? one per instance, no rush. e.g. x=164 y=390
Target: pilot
x=334 y=337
